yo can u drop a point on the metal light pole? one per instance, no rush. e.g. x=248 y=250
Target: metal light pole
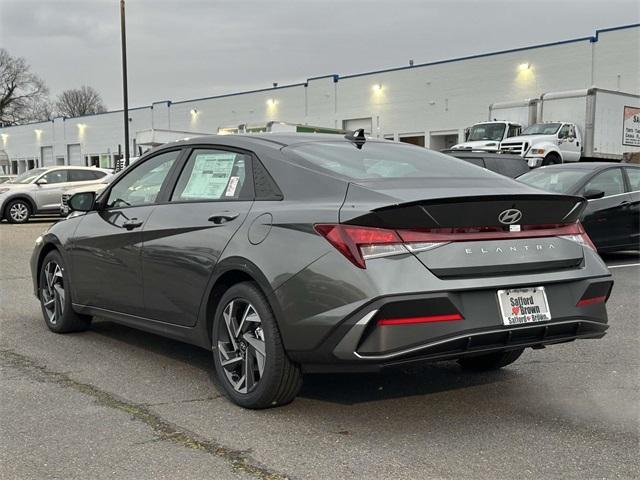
x=125 y=95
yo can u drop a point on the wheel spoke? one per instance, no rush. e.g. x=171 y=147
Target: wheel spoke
x=59 y=292
x=248 y=369
x=230 y=323
x=257 y=344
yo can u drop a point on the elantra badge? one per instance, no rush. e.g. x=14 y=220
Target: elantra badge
x=509 y=216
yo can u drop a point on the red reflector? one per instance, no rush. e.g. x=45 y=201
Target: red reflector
x=414 y=320
x=591 y=301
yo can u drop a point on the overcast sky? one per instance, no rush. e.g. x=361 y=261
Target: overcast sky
x=183 y=49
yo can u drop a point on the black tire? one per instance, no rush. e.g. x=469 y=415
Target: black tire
x=551 y=159
x=59 y=315
x=489 y=361
x=18 y=211
x=280 y=379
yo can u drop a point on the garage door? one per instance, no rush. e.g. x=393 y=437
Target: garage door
x=74 y=155
x=356 y=123
x=46 y=156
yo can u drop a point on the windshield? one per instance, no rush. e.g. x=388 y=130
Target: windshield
x=486 y=131
x=553 y=179
x=28 y=176
x=542 y=129
x=380 y=160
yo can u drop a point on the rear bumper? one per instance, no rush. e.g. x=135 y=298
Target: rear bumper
x=359 y=344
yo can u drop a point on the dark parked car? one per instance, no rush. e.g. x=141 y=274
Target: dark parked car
x=291 y=253
x=612 y=216
x=504 y=164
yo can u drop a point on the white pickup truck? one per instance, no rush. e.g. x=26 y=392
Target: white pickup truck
x=487 y=136
x=590 y=124
x=546 y=143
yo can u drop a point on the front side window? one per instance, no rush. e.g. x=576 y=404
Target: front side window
x=141 y=185
x=514 y=131
x=610 y=182
x=565 y=132
x=56 y=176
x=211 y=175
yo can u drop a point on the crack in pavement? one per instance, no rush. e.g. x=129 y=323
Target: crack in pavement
x=239 y=460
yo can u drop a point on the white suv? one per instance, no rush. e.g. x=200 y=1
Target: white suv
x=38 y=191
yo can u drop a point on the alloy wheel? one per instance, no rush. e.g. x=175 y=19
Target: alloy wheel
x=19 y=212
x=52 y=292
x=241 y=345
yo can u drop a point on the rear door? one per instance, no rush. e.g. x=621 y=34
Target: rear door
x=606 y=219
x=106 y=257
x=187 y=232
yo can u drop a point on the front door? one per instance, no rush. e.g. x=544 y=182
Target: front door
x=185 y=235
x=568 y=143
x=49 y=189
x=605 y=219
x=108 y=242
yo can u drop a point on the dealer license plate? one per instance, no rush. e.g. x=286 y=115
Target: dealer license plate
x=524 y=305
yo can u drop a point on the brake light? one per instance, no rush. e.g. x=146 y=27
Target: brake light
x=361 y=243
x=590 y=301
x=414 y=320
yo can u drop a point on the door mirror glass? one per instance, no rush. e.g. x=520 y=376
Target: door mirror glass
x=592 y=194
x=42 y=181
x=82 y=202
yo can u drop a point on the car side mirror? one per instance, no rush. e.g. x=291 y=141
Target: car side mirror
x=82 y=202
x=42 y=181
x=592 y=194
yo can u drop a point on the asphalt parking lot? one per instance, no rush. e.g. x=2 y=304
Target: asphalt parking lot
x=117 y=403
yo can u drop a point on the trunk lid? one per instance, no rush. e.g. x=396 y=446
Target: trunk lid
x=467 y=213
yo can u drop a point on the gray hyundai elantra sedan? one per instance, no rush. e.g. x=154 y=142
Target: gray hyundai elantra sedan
x=293 y=253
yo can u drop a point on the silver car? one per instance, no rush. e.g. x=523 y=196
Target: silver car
x=38 y=191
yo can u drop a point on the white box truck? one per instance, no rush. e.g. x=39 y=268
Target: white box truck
x=589 y=124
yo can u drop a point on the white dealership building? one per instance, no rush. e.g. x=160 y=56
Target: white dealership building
x=428 y=104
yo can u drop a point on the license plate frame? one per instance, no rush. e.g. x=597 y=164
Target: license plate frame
x=523 y=305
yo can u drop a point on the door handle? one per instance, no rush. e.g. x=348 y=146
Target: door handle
x=624 y=203
x=131 y=224
x=223 y=218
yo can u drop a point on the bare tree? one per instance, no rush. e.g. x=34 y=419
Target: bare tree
x=79 y=101
x=23 y=94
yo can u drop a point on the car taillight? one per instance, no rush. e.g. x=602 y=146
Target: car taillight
x=578 y=235
x=361 y=243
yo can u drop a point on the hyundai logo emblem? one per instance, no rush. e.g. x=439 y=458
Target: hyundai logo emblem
x=510 y=216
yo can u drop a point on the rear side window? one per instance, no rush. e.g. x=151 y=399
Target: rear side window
x=211 y=175
x=376 y=160
x=84 y=175
x=610 y=182
x=634 y=178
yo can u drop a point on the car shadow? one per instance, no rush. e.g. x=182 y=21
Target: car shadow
x=340 y=388
x=395 y=382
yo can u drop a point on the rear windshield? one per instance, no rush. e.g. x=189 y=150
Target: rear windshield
x=380 y=160
x=553 y=179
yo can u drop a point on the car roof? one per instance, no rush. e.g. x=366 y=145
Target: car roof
x=479 y=153
x=586 y=166
x=281 y=139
